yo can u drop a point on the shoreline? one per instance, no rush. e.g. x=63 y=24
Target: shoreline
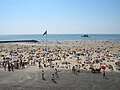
x=56 y=41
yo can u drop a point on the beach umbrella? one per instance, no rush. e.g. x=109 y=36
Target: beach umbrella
x=103 y=67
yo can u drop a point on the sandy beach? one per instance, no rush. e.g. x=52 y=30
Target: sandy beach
x=60 y=45
x=22 y=63
x=30 y=79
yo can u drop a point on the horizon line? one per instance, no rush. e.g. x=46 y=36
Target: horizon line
x=59 y=34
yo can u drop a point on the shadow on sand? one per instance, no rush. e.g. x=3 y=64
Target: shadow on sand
x=53 y=80
x=44 y=79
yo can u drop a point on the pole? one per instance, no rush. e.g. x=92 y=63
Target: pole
x=46 y=48
x=46 y=42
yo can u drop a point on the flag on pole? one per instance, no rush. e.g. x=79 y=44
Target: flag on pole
x=45 y=33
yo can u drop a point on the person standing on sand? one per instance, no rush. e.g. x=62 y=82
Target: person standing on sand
x=73 y=69
x=43 y=78
x=9 y=67
x=56 y=73
x=39 y=64
x=21 y=62
x=79 y=67
x=12 y=66
x=4 y=65
x=17 y=65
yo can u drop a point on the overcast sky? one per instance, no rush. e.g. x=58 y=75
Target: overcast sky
x=60 y=16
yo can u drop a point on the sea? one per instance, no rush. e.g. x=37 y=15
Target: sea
x=61 y=37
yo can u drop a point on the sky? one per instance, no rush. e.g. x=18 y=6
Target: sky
x=60 y=16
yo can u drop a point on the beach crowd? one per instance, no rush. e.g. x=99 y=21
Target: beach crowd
x=96 y=57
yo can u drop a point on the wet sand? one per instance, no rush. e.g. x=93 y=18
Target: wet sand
x=30 y=79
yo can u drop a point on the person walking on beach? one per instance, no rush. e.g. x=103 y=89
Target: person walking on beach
x=53 y=78
x=43 y=78
x=104 y=74
x=56 y=73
